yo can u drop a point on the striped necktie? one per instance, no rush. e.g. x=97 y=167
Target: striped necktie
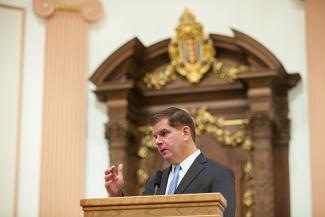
x=173 y=184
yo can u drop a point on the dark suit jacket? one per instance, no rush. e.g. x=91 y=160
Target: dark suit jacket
x=203 y=176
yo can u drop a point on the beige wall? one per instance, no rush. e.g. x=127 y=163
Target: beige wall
x=11 y=54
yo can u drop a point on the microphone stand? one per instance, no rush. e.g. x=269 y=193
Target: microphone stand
x=156 y=189
x=157 y=181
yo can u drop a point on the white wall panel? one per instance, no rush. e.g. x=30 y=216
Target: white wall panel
x=12 y=30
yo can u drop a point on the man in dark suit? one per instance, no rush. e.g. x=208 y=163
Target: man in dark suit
x=190 y=171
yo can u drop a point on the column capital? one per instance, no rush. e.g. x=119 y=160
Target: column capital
x=90 y=10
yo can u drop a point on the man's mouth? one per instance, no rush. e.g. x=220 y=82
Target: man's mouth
x=163 y=150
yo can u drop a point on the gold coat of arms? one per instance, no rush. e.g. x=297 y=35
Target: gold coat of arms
x=192 y=54
x=191 y=50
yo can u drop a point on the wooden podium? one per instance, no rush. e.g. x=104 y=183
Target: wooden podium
x=186 y=205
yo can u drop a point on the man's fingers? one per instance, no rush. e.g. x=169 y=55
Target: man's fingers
x=108 y=183
x=120 y=170
x=110 y=170
x=111 y=176
x=108 y=177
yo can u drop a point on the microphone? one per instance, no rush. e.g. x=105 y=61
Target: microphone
x=157 y=181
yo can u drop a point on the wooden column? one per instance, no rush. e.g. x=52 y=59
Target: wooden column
x=65 y=101
x=315 y=32
x=261 y=106
x=281 y=138
x=262 y=129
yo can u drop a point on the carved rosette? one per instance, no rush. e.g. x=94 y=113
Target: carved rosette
x=283 y=132
x=261 y=124
x=118 y=137
x=282 y=122
x=117 y=133
x=90 y=10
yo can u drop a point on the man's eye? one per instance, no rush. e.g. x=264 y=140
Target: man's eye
x=163 y=133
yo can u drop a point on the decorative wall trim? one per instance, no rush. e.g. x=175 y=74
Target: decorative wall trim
x=315 y=32
x=20 y=86
x=65 y=102
x=90 y=10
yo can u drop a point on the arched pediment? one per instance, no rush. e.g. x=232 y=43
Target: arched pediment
x=128 y=64
x=123 y=71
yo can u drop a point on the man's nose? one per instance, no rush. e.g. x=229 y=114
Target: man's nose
x=158 y=141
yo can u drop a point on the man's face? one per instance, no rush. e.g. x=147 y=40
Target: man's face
x=169 y=141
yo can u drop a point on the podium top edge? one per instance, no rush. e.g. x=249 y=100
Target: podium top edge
x=155 y=199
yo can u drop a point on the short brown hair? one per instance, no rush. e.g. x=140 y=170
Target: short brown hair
x=176 y=118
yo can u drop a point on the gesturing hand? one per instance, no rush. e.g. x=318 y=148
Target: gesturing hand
x=114 y=181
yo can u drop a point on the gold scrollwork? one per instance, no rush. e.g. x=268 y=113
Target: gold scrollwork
x=205 y=122
x=147 y=145
x=159 y=79
x=142 y=175
x=147 y=138
x=248 y=197
x=228 y=73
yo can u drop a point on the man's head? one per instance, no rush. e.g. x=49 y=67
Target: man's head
x=174 y=134
x=176 y=118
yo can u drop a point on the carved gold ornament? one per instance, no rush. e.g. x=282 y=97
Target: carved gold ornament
x=225 y=72
x=191 y=50
x=248 y=198
x=192 y=55
x=205 y=122
x=144 y=152
x=156 y=80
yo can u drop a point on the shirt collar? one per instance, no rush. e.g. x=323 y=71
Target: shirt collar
x=187 y=162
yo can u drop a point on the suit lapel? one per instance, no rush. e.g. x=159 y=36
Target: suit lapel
x=195 y=169
x=164 y=180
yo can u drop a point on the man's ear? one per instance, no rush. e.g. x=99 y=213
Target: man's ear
x=186 y=133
